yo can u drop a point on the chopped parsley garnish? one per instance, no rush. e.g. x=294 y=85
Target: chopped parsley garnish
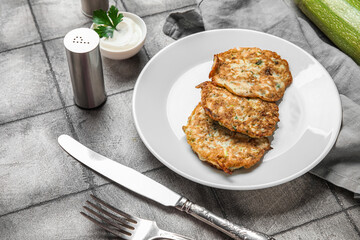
x=107 y=21
x=258 y=62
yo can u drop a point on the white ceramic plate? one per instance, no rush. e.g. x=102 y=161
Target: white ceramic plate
x=165 y=95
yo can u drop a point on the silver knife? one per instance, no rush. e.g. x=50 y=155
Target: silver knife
x=139 y=183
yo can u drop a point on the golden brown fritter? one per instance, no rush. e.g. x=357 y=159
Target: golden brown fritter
x=251 y=72
x=251 y=116
x=221 y=147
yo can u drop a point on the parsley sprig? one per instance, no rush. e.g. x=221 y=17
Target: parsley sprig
x=106 y=22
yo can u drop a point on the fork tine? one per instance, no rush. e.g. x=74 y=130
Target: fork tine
x=116 y=233
x=120 y=228
x=128 y=216
x=123 y=221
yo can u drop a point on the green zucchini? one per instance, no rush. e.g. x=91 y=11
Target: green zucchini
x=339 y=20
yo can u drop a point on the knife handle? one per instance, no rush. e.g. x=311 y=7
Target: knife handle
x=225 y=226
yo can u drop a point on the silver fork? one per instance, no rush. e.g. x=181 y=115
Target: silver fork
x=124 y=225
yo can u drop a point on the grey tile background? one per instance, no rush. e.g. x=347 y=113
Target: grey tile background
x=33 y=168
x=55 y=18
x=354 y=215
x=346 y=198
x=16 y=29
x=111 y=132
x=58 y=219
x=333 y=227
x=275 y=209
x=26 y=84
x=42 y=189
x=144 y=8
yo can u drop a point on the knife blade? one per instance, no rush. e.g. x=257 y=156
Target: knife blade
x=147 y=187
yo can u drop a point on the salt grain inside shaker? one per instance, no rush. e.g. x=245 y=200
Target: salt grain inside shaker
x=85 y=66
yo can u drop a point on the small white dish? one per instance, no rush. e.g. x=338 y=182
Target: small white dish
x=124 y=54
x=165 y=95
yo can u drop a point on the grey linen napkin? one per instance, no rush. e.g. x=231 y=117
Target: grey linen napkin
x=281 y=18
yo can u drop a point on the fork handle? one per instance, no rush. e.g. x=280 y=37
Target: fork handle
x=225 y=226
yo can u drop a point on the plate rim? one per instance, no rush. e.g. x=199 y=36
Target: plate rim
x=324 y=153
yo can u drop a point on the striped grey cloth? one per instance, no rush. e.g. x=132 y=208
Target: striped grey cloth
x=281 y=18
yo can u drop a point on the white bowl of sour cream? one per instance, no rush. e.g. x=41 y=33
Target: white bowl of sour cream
x=127 y=40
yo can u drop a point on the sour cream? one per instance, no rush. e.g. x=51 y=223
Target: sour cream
x=127 y=35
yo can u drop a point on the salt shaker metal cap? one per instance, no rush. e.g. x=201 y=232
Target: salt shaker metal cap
x=85 y=66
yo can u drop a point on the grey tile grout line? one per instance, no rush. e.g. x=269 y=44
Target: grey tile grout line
x=29 y=45
x=222 y=210
x=57 y=198
x=47 y=56
x=144 y=172
x=344 y=210
x=218 y=202
x=30 y=116
x=153 y=170
x=88 y=175
x=352 y=222
x=120 y=92
x=303 y=224
x=308 y=222
x=342 y=207
x=146 y=53
x=169 y=10
x=92 y=190
x=110 y=181
x=56 y=38
x=315 y=220
x=46 y=202
x=122 y=2
x=156 y=13
x=332 y=190
x=200 y=3
x=108 y=95
x=19 y=47
x=57 y=109
x=52 y=39
x=105 y=184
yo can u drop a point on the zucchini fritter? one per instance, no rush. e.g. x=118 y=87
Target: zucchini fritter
x=251 y=72
x=251 y=116
x=221 y=147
